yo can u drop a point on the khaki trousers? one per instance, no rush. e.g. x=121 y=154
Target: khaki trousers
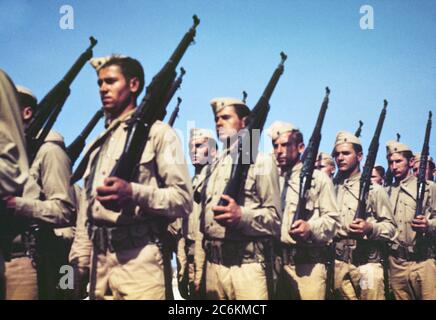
x=134 y=274
x=364 y=282
x=412 y=280
x=21 y=280
x=306 y=281
x=240 y=282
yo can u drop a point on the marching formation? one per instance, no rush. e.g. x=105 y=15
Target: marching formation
x=299 y=223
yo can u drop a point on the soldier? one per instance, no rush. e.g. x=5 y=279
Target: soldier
x=430 y=166
x=13 y=162
x=377 y=175
x=412 y=255
x=305 y=241
x=325 y=163
x=129 y=219
x=359 y=245
x=48 y=201
x=202 y=149
x=237 y=236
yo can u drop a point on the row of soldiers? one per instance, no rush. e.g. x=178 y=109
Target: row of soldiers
x=246 y=247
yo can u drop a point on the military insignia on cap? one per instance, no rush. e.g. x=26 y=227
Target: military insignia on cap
x=219 y=103
x=277 y=128
x=97 y=63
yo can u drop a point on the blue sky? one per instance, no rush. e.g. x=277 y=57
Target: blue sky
x=237 y=48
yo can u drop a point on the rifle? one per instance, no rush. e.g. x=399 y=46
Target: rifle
x=51 y=105
x=174 y=87
x=359 y=130
x=365 y=179
x=76 y=147
x=422 y=173
x=151 y=109
x=309 y=159
x=256 y=120
x=175 y=112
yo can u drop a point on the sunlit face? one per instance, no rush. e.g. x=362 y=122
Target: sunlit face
x=415 y=169
x=228 y=123
x=286 y=151
x=116 y=92
x=347 y=160
x=376 y=178
x=399 y=166
x=325 y=166
x=200 y=151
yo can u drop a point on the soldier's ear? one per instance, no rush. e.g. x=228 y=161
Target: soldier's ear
x=27 y=114
x=359 y=156
x=244 y=122
x=134 y=85
x=301 y=147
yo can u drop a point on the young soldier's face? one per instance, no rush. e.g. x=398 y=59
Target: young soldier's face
x=325 y=166
x=115 y=91
x=346 y=157
x=228 y=123
x=399 y=166
x=286 y=151
x=376 y=178
x=199 y=151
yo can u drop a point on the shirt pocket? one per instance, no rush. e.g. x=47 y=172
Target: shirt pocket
x=147 y=165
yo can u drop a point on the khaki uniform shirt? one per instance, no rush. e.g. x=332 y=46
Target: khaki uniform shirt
x=378 y=208
x=322 y=213
x=162 y=187
x=13 y=158
x=403 y=198
x=260 y=200
x=47 y=195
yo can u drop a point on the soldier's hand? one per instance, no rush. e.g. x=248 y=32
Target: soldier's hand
x=10 y=202
x=360 y=227
x=228 y=215
x=115 y=194
x=300 y=230
x=420 y=224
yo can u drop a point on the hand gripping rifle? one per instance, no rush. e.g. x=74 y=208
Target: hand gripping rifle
x=309 y=159
x=175 y=112
x=51 y=105
x=152 y=108
x=76 y=147
x=365 y=179
x=247 y=147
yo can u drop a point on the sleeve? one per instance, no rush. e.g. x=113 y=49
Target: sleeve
x=382 y=219
x=324 y=227
x=199 y=258
x=13 y=158
x=80 y=253
x=173 y=198
x=431 y=208
x=261 y=215
x=58 y=206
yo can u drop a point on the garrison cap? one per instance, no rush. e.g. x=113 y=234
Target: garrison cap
x=417 y=157
x=220 y=103
x=25 y=90
x=197 y=133
x=395 y=146
x=346 y=137
x=325 y=156
x=277 y=128
x=97 y=63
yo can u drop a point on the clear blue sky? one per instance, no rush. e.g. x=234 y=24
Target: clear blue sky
x=237 y=48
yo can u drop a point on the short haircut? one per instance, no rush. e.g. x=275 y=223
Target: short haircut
x=406 y=154
x=357 y=148
x=242 y=111
x=26 y=100
x=380 y=170
x=130 y=68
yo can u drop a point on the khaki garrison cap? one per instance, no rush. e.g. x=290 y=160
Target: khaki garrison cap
x=346 y=137
x=220 y=103
x=325 y=156
x=24 y=90
x=417 y=157
x=197 y=133
x=97 y=63
x=277 y=128
x=395 y=146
